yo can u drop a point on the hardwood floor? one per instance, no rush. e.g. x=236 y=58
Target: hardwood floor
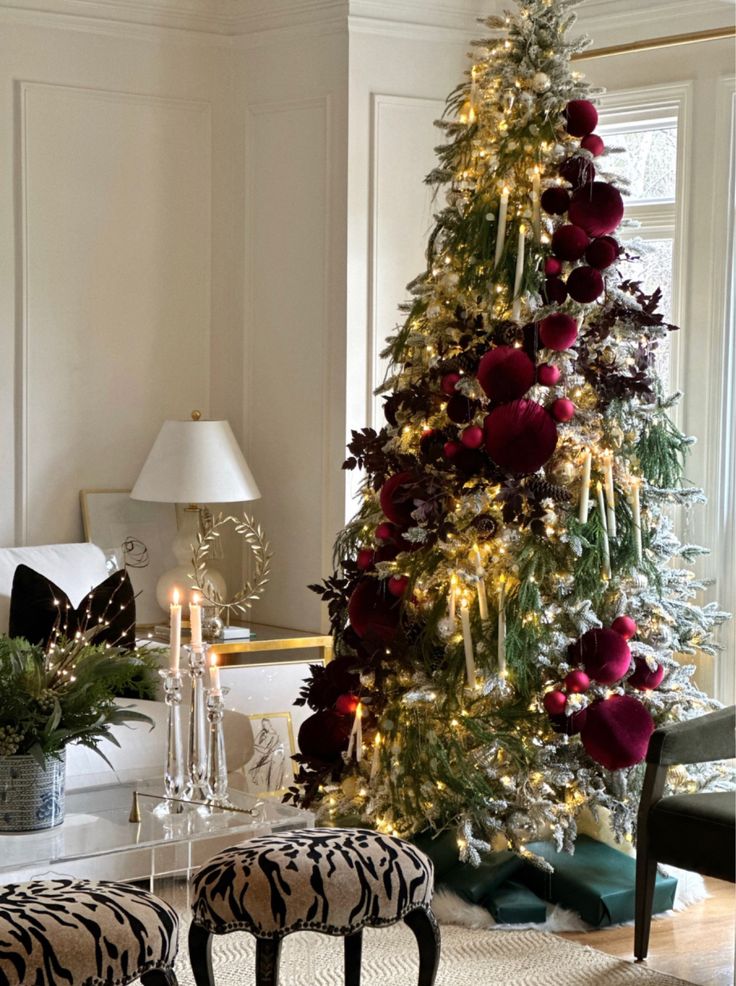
x=696 y=944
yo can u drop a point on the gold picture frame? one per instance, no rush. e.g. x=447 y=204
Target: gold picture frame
x=270 y=771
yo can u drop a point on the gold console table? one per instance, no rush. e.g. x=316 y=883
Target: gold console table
x=271 y=645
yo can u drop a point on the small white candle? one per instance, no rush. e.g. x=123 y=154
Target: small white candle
x=467 y=643
x=501 y=231
x=175 y=630
x=452 y=598
x=481 y=583
x=536 y=199
x=585 y=487
x=604 y=525
x=215 y=687
x=356 y=735
x=502 y=627
x=610 y=496
x=376 y=761
x=636 y=515
x=195 y=620
x=516 y=312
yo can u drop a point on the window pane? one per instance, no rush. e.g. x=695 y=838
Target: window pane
x=650 y=162
x=654 y=270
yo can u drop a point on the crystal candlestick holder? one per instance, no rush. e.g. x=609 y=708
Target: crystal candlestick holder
x=196 y=787
x=216 y=759
x=175 y=767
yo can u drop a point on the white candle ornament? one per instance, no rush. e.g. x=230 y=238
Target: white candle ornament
x=604 y=525
x=610 y=496
x=175 y=630
x=636 y=516
x=536 y=199
x=356 y=735
x=195 y=620
x=585 y=487
x=452 y=598
x=467 y=643
x=501 y=231
x=481 y=583
x=376 y=761
x=502 y=627
x=215 y=686
x=516 y=311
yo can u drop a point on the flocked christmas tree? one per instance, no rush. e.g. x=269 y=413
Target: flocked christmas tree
x=509 y=608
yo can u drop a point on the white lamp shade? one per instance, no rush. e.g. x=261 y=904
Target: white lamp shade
x=195 y=462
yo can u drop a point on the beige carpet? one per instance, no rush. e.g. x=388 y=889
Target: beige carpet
x=469 y=958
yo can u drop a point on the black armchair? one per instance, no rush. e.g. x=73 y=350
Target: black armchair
x=693 y=831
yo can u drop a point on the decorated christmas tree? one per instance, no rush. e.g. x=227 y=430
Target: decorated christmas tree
x=511 y=610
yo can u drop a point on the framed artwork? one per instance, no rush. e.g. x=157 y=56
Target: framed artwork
x=270 y=770
x=134 y=534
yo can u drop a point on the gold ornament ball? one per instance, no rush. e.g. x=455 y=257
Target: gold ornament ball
x=561 y=472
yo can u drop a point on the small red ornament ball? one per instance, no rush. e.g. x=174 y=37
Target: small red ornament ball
x=371 y=612
x=604 y=654
x=385 y=532
x=521 y=436
x=554 y=291
x=643 y=677
x=451 y=449
x=448 y=383
x=597 y=208
x=581 y=117
x=472 y=437
x=365 y=559
x=505 y=373
x=576 y=682
x=460 y=409
x=578 y=171
x=552 y=267
x=548 y=375
x=324 y=736
x=555 y=200
x=558 y=331
x=570 y=242
x=346 y=704
x=625 y=626
x=593 y=144
x=395 y=500
x=554 y=703
x=397 y=585
x=585 y=284
x=617 y=731
x=563 y=409
x=602 y=252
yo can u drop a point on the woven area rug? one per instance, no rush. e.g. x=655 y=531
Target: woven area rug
x=469 y=958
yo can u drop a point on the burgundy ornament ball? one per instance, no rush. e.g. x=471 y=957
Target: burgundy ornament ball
x=558 y=331
x=505 y=373
x=460 y=409
x=585 y=284
x=371 y=612
x=602 y=252
x=643 y=677
x=593 y=144
x=448 y=382
x=578 y=171
x=554 y=291
x=563 y=409
x=555 y=200
x=346 y=704
x=581 y=117
x=386 y=532
x=570 y=242
x=548 y=375
x=451 y=449
x=617 y=731
x=472 y=437
x=397 y=585
x=396 y=500
x=576 y=682
x=604 y=654
x=597 y=208
x=552 y=267
x=521 y=436
x=325 y=735
x=554 y=702
x=625 y=626
x=365 y=559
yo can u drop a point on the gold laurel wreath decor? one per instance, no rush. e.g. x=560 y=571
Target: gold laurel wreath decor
x=254 y=537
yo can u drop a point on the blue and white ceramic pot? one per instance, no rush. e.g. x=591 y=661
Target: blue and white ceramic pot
x=31 y=796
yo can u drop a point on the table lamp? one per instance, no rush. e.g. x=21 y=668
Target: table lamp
x=193 y=462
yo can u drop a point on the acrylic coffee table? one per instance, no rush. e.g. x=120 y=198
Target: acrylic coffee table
x=97 y=841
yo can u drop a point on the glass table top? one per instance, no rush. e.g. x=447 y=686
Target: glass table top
x=97 y=823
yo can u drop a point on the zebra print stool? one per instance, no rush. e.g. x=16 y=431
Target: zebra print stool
x=337 y=881
x=77 y=933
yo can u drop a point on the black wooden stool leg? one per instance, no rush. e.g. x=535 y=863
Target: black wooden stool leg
x=268 y=953
x=427 y=934
x=159 y=977
x=200 y=955
x=353 y=950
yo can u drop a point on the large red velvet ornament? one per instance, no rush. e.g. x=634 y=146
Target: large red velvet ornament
x=505 y=373
x=558 y=331
x=394 y=498
x=562 y=409
x=643 y=677
x=448 y=383
x=593 y=144
x=570 y=242
x=460 y=409
x=555 y=200
x=597 y=208
x=346 y=704
x=602 y=252
x=578 y=171
x=365 y=559
x=554 y=291
x=604 y=654
x=617 y=731
x=472 y=437
x=552 y=267
x=325 y=735
x=625 y=626
x=548 y=375
x=371 y=612
x=554 y=703
x=581 y=117
x=520 y=436
x=585 y=284
x=576 y=682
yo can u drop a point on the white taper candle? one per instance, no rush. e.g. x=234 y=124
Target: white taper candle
x=636 y=516
x=519 y=274
x=585 y=487
x=604 y=525
x=195 y=620
x=502 y=627
x=175 y=630
x=501 y=231
x=536 y=199
x=467 y=643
